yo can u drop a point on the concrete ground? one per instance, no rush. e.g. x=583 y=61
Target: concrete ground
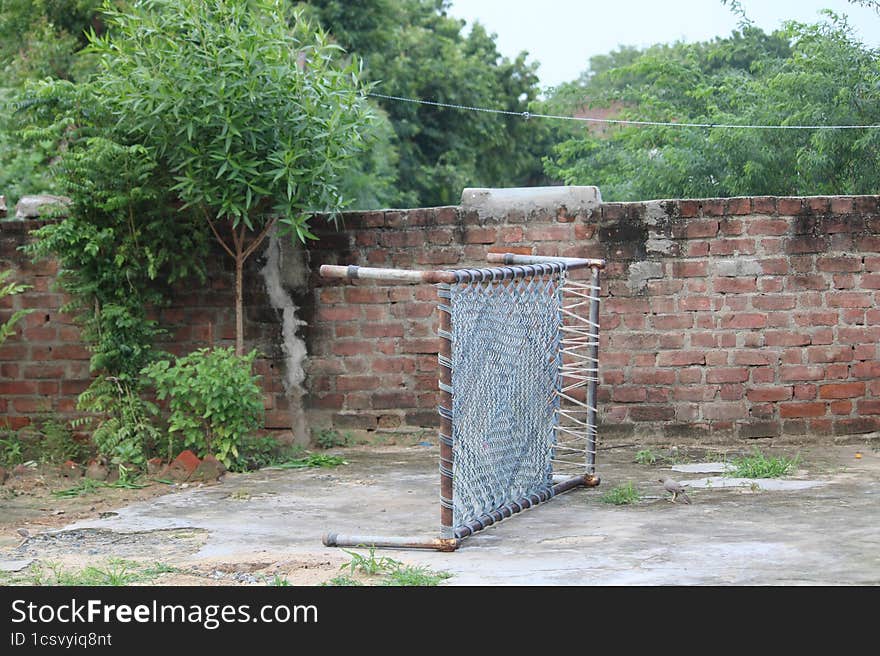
x=822 y=526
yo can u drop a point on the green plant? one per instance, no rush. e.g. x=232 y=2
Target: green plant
x=329 y=438
x=55 y=443
x=127 y=435
x=213 y=399
x=10 y=449
x=10 y=289
x=253 y=116
x=85 y=486
x=757 y=465
x=341 y=580
x=415 y=576
x=623 y=494
x=256 y=452
x=312 y=460
x=646 y=457
x=370 y=564
x=278 y=580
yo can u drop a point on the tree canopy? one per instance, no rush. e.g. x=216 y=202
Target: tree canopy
x=804 y=74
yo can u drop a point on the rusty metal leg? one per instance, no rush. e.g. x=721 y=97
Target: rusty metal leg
x=444 y=361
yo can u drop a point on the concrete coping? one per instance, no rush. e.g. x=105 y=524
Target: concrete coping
x=530 y=200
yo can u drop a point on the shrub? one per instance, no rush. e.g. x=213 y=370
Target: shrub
x=213 y=399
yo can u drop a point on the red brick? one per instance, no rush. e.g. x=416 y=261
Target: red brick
x=652 y=413
x=549 y=233
x=807 y=409
x=743 y=320
x=628 y=394
x=774 y=302
x=353 y=348
x=732 y=375
x=672 y=321
x=739 y=205
x=751 y=357
x=785 y=338
x=790 y=206
x=626 y=305
x=735 y=285
x=807 y=244
x=849 y=299
x=847 y=335
x=868 y=407
x=652 y=376
x=695 y=230
x=680 y=358
x=829 y=354
x=841 y=390
x=357 y=383
x=769 y=394
x=732 y=246
x=773 y=227
x=724 y=410
x=389 y=400
x=799 y=372
x=856 y=425
x=690 y=269
x=839 y=264
x=825 y=318
x=480 y=236
x=870 y=369
x=694 y=303
x=840 y=407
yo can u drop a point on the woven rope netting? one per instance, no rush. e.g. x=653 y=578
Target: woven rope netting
x=505 y=381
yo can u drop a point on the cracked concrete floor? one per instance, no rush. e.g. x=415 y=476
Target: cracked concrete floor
x=823 y=528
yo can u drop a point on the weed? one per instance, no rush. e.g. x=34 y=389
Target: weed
x=10 y=449
x=342 y=580
x=278 y=581
x=56 y=443
x=621 y=495
x=757 y=465
x=370 y=565
x=328 y=438
x=312 y=460
x=115 y=572
x=415 y=576
x=85 y=486
x=646 y=457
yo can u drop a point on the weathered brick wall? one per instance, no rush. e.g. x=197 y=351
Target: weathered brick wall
x=721 y=318
x=45 y=365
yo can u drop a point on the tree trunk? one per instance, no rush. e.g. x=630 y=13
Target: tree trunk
x=239 y=253
x=239 y=303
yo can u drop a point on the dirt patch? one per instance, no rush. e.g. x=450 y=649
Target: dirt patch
x=29 y=504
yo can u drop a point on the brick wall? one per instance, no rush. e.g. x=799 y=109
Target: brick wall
x=721 y=318
x=45 y=366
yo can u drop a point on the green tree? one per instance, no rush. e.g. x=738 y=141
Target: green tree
x=816 y=74
x=254 y=119
x=414 y=49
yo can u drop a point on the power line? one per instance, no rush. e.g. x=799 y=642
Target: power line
x=618 y=121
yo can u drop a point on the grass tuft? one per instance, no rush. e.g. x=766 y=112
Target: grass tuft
x=621 y=495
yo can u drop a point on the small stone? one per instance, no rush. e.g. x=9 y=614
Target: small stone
x=210 y=469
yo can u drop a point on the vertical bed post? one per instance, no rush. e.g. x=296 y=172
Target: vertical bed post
x=444 y=361
x=592 y=429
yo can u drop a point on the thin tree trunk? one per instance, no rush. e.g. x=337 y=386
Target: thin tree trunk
x=239 y=253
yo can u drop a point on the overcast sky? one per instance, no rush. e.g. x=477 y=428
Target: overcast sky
x=563 y=34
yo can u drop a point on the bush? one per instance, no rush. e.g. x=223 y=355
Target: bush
x=213 y=399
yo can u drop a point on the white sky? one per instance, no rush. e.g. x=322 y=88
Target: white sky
x=563 y=34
